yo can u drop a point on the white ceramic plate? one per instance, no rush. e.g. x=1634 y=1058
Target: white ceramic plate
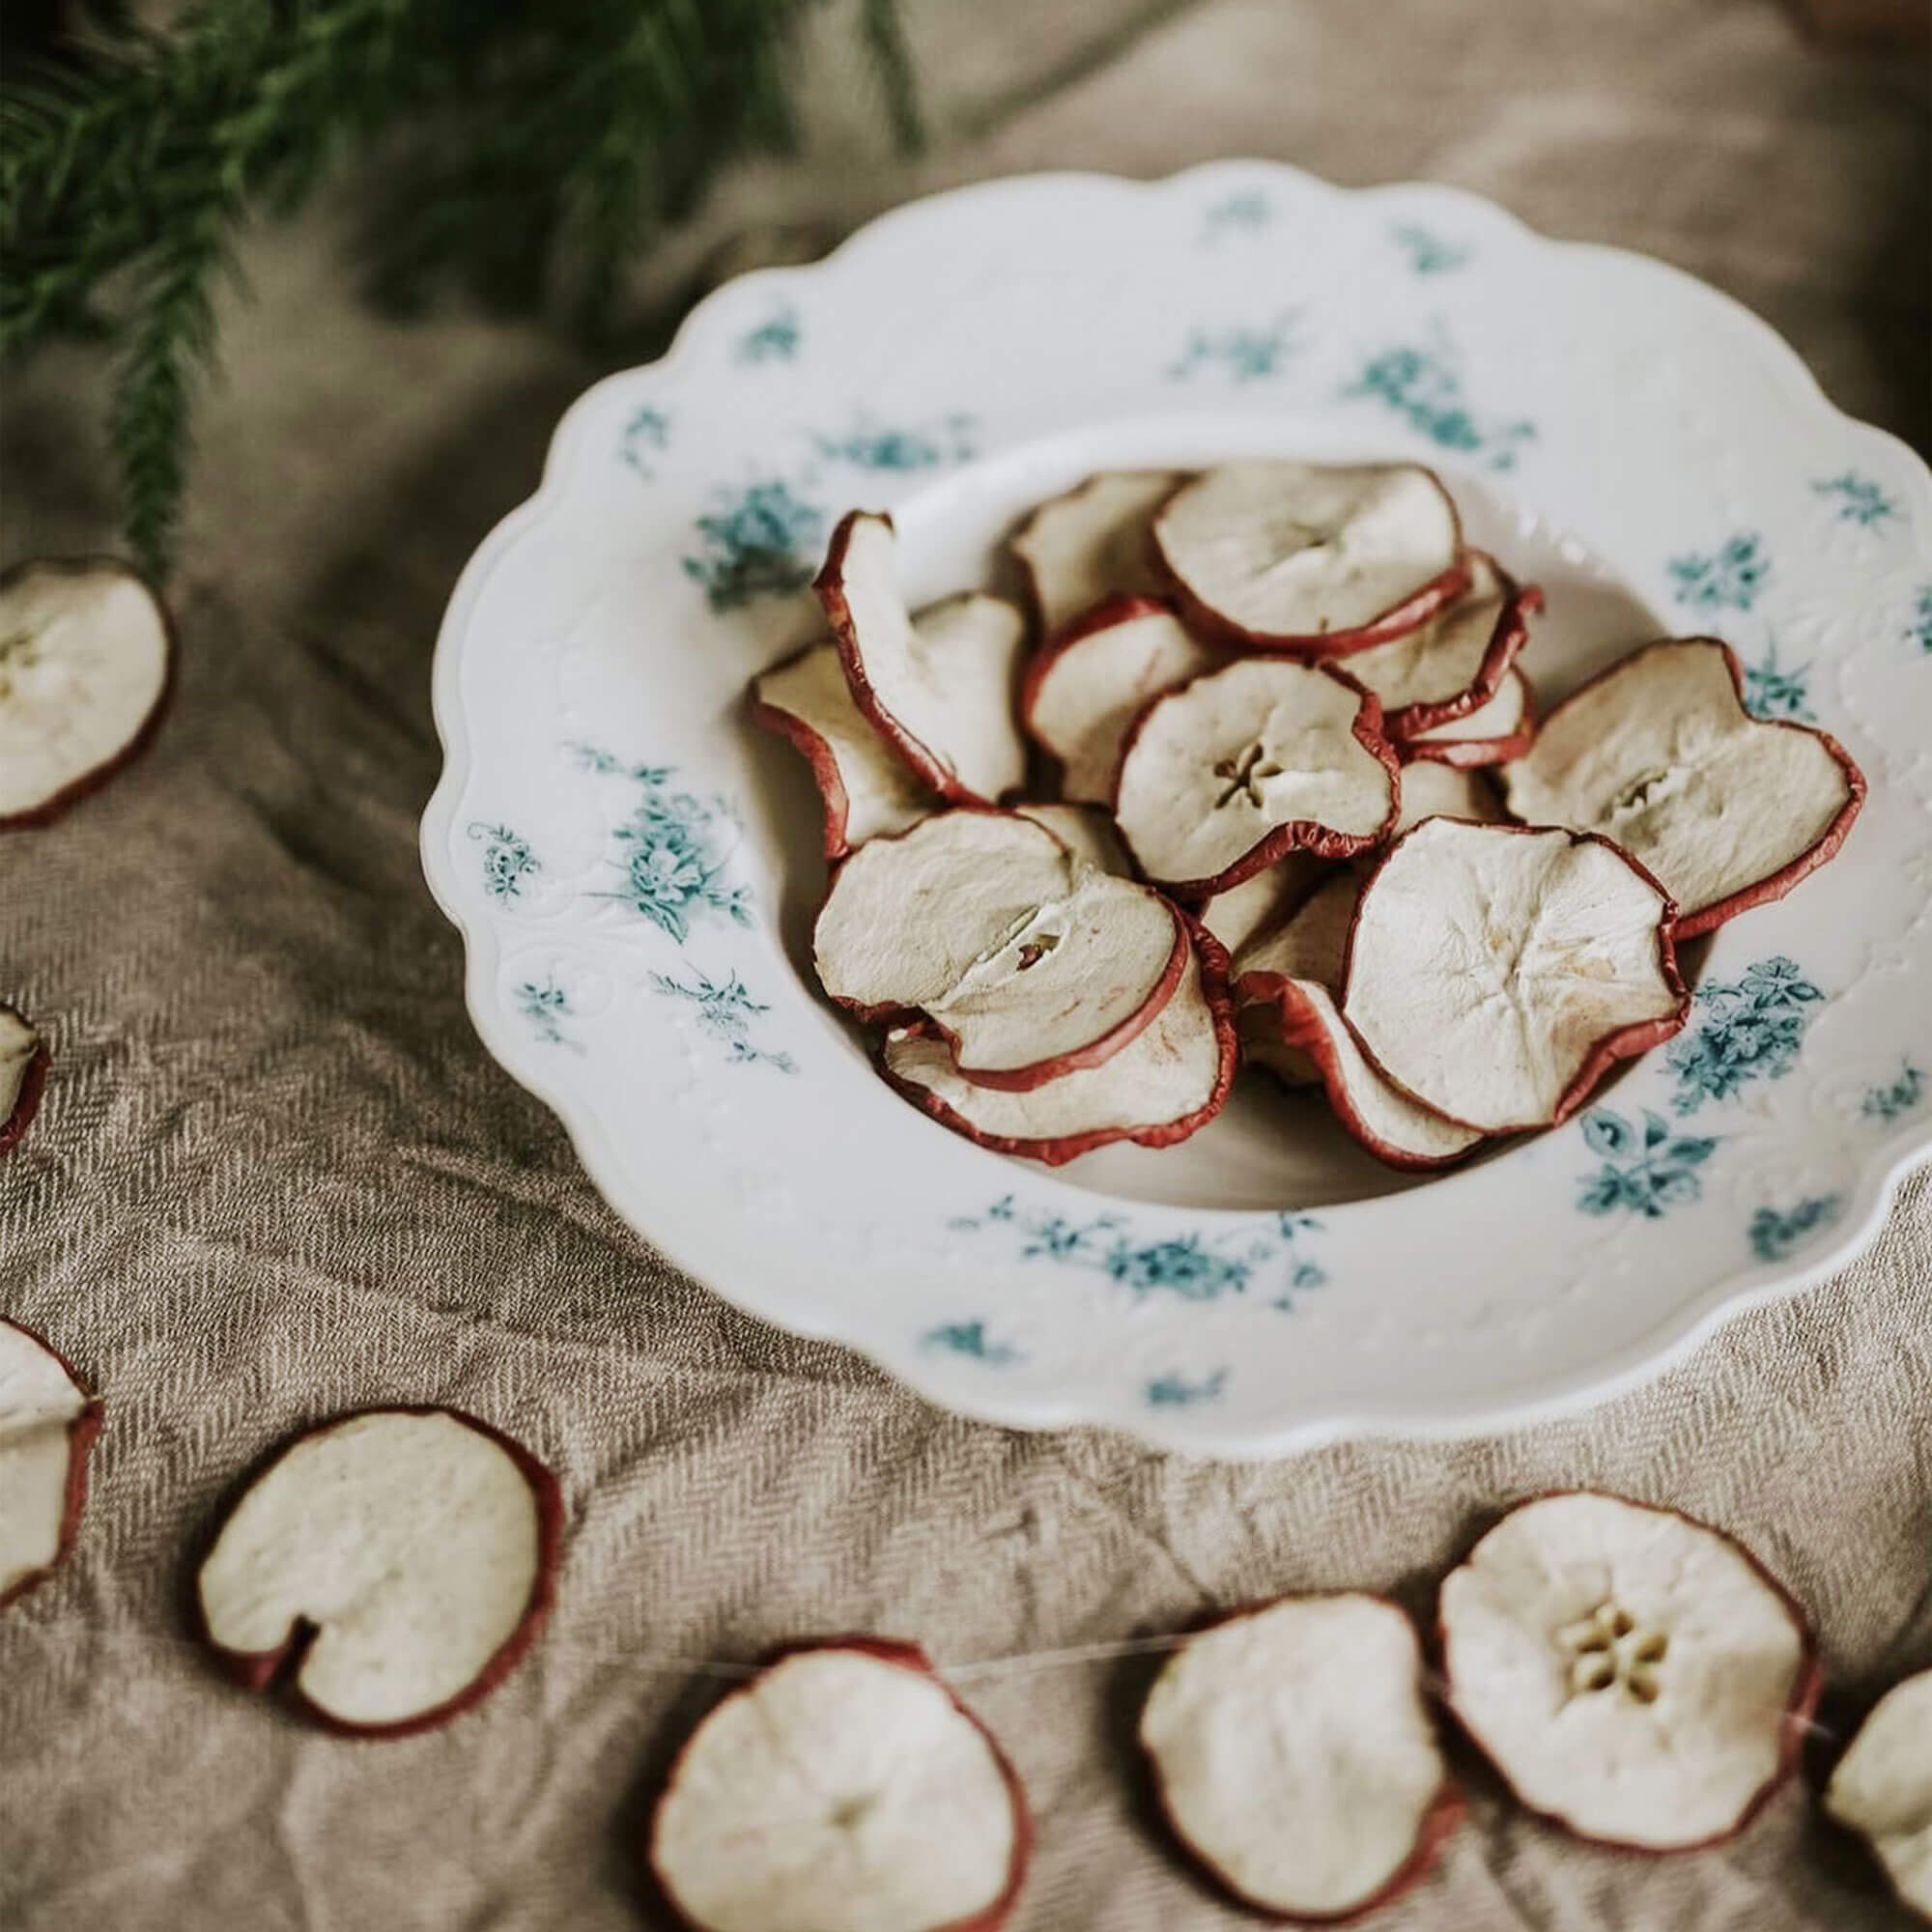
x=634 y=870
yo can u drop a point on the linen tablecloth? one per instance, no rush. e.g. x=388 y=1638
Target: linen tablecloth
x=277 y=1175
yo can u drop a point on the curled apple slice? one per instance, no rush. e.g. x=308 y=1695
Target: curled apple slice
x=1092 y=543
x=1264 y=756
x=865 y=789
x=1292 y=1752
x=1882 y=1788
x=1311 y=558
x=1082 y=691
x=1312 y=943
x=23 y=1076
x=1434 y=790
x=1087 y=832
x=1162 y=1087
x=1262 y=900
x=940 y=687
x=47 y=1424
x=1453 y=663
x=1028 y=962
x=1502 y=729
x=1496 y=973
x=1634 y=1675
x=86 y=655
x=397 y=1561
x=1659 y=754
x=846 y=1789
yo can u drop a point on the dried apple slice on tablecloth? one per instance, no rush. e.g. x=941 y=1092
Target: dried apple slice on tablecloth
x=396 y=1562
x=1495 y=973
x=865 y=786
x=1494 y=732
x=1262 y=900
x=24 y=1060
x=1293 y=1025
x=1453 y=663
x=1164 y=1085
x=939 y=689
x=1293 y=1754
x=1882 y=1788
x=48 y=1423
x=86 y=655
x=1092 y=543
x=1087 y=832
x=1634 y=1675
x=1311 y=558
x=1030 y=961
x=1264 y=756
x=1659 y=754
x=1081 y=693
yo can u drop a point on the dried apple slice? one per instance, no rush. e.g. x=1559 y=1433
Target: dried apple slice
x=1309 y=557
x=1496 y=973
x=1312 y=943
x=1030 y=961
x=844 y=1788
x=86 y=655
x=1264 y=756
x=1166 y=1084
x=1295 y=1025
x=24 y=1060
x=1492 y=734
x=1092 y=543
x=1293 y=1755
x=940 y=687
x=865 y=786
x=1083 y=691
x=1430 y=789
x=1659 y=754
x=47 y=1424
x=1634 y=1675
x=1087 y=832
x=1262 y=900
x=1882 y=1788
x=397 y=1560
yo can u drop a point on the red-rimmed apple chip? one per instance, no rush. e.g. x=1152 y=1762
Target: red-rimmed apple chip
x=1659 y=754
x=1299 y=1021
x=940 y=687
x=1082 y=691
x=86 y=653
x=1453 y=663
x=397 y=1561
x=865 y=786
x=1882 y=1788
x=24 y=1075
x=1166 y=1084
x=1632 y=1674
x=1262 y=900
x=1311 y=558
x=1087 y=832
x=1434 y=790
x=844 y=1788
x=1292 y=1752
x=1092 y=543
x=1312 y=943
x=1264 y=756
x=48 y=1422
x=1494 y=732
x=1029 y=960
x=1496 y=973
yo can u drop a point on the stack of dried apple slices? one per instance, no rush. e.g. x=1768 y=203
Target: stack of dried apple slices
x=1289 y=797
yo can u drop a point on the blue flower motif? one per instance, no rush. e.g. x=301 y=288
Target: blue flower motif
x=1247 y=211
x=1919 y=627
x=1429 y=254
x=1860 y=501
x=1175 y=1391
x=1645 y=1171
x=1773 y=1235
x=645 y=434
x=1754 y=1032
x=543 y=1004
x=1424 y=386
x=775 y=339
x=755 y=541
x=969 y=1338
x=868 y=446
x=1242 y=355
x=1773 y=691
x=726 y=1010
x=1185 y=1265
x=507 y=860
x=1899 y=1098
x=1726 y=579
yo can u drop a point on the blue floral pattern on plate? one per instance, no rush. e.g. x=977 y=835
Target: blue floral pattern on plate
x=1919 y=626
x=1247 y=211
x=867 y=445
x=1423 y=385
x=1241 y=353
x=507 y=859
x=969 y=1338
x=1773 y=1233
x=726 y=1010
x=1647 y=1171
x=775 y=339
x=1728 y=578
x=1428 y=252
x=1899 y=1097
x=543 y=1003
x=1175 y=1390
x=758 y=539
x=1857 y=499
x=1753 y=1029
x=646 y=435
x=1772 y=689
